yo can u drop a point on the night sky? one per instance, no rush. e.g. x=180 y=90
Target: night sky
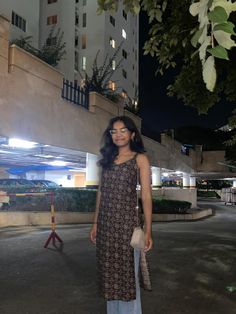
x=160 y=112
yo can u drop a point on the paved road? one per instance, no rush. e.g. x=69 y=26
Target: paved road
x=192 y=263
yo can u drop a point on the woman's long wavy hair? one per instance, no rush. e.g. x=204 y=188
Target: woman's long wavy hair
x=109 y=150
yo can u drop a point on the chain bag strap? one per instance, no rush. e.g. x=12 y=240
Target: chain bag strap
x=138 y=238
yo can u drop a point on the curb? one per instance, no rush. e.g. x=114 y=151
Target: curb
x=12 y=218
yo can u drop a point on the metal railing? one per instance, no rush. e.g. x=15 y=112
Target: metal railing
x=75 y=94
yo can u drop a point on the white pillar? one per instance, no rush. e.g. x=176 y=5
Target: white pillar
x=192 y=182
x=186 y=180
x=156 y=177
x=92 y=171
x=234 y=183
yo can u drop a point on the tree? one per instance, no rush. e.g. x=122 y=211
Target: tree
x=101 y=74
x=197 y=48
x=173 y=37
x=52 y=51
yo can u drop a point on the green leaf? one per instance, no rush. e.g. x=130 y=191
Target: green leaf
x=136 y=9
x=219 y=52
x=227 y=27
x=209 y=73
x=218 y=15
x=196 y=36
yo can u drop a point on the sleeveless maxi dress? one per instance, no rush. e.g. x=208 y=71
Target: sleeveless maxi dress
x=116 y=220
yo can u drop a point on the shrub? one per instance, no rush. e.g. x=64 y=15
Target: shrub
x=80 y=200
x=207 y=194
x=165 y=206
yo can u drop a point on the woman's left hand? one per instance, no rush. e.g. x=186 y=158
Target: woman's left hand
x=148 y=242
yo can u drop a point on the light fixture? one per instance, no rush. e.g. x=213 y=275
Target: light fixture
x=16 y=142
x=165 y=174
x=178 y=172
x=57 y=163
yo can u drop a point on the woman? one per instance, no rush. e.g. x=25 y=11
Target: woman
x=123 y=163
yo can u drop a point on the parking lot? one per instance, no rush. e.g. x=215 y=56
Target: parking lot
x=192 y=265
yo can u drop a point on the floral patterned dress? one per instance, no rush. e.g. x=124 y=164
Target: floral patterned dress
x=116 y=220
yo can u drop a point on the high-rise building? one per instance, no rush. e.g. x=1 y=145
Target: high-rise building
x=85 y=33
x=24 y=17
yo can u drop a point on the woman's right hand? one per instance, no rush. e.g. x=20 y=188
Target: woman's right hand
x=93 y=233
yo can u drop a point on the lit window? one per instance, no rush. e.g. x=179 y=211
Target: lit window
x=84 y=20
x=123 y=33
x=112 y=20
x=124 y=93
x=18 y=21
x=124 y=73
x=84 y=41
x=84 y=63
x=51 y=1
x=112 y=42
x=113 y=64
x=52 y=19
x=112 y=85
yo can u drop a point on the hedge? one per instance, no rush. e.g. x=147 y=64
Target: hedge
x=80 y=200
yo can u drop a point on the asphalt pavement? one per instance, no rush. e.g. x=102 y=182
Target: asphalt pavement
x=193 y=268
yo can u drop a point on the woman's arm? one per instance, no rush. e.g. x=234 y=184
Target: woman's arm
x=93 y=232
x=146 y=196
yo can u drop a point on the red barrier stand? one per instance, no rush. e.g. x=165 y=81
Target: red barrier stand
x=53 y=236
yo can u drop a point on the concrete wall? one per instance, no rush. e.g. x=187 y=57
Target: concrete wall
x=32 y=108
x=210 y=161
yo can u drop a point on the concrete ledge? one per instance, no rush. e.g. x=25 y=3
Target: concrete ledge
x=12 y=218
x=19 y=58
x=177 y=217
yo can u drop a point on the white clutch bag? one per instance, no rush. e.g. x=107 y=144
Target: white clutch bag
x=138 y=239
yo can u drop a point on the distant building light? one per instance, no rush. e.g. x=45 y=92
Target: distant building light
x=124 y=34
x=112 y=85
x=84 y=63
x=112 y=42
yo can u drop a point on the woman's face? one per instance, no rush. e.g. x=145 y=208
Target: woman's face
x=121 y=136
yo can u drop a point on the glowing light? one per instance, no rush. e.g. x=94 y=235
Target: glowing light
x=58 y=163
x=178 y=172
x=16 y=142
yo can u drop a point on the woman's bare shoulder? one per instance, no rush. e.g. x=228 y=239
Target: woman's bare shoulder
x=142 y=160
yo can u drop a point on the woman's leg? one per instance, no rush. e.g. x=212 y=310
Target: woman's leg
x=134 y=306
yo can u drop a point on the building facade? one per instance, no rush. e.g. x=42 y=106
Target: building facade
x=24 y=16
x=87 y=34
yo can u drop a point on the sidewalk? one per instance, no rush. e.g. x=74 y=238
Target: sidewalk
x=191 y=264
